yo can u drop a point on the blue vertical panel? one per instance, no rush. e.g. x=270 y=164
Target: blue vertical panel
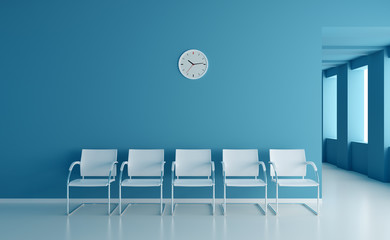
x=386 y=166
x=359 y=155
x=343 y=160
x=376 y=84
x=330 y=148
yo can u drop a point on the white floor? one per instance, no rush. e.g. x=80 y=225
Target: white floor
x=354 y=207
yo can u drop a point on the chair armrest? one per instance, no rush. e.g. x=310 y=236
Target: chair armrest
x=71 y=168
x=73 y=164
x=173 y=165
x=264 y=171
x=162 y=167
x=173 y=170
x=312 y=164
x=121 y=171
x=212 y=171
x=223 y=171
x=315 y=169
x=123 y=165
x=275 y=169
x=212 y=166
x=162 y=170
x=112 y=167
x=263 y=165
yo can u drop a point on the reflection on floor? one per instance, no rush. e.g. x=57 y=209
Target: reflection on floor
x=354 y=207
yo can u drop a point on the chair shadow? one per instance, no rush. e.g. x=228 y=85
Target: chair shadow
x=188 y=209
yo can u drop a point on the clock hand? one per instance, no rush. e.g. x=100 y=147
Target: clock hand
x=190 y=68
x=191 y=62
x=199 y=63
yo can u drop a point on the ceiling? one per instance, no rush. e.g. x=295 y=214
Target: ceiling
x=341 y=44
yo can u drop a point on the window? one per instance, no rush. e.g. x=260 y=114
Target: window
x=365 y=105
x=358 y=105
x=330 y=107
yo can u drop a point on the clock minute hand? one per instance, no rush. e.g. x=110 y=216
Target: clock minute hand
x=199 y=63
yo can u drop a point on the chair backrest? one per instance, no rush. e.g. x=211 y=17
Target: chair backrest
x=289 y=162
x=241 y=162
x=97 y=162
x=193 y=162
x=145 y=162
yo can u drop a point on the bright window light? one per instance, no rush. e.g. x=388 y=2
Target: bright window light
x=366 y=105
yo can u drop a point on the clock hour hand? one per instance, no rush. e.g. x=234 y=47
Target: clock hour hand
x=191 y=62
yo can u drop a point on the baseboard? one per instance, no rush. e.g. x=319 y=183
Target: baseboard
x=155 y=200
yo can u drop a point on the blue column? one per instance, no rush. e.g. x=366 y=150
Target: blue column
x=387 y=114
x=378 y=116
x=343 y=159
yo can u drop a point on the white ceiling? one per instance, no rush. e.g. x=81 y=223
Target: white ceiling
x=341 y=44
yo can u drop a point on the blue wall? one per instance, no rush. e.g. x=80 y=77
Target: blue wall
x=103 y=74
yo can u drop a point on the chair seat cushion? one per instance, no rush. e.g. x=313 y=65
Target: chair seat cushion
x=245 y=183
x=296 y=183
x=90 y=182
x=141 y=183
x=193 y=182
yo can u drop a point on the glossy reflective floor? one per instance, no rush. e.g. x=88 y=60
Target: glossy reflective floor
x=354 y=207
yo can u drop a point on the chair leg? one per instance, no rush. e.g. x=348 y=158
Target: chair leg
x=277 y=205
x=67 y=199
x=224 y=199
x=109 y=200
x=318 y=199
x=265 y=210
x=120 y=199
x=161 y=200
x=213 y=199
x=172 y=200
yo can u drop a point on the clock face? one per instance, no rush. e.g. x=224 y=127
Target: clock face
x=193 y=64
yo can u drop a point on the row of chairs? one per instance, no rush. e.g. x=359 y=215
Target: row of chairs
x=192 y=168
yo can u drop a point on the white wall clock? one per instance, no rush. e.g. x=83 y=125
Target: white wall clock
x=193 y=64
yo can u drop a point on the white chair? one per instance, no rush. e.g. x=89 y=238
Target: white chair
x=241 y=169
x=193 y=168
x=97 y=169
x=143 y=163
x=291 y=163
